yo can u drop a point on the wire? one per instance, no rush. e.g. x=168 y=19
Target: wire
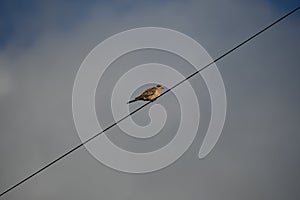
x=114 y=124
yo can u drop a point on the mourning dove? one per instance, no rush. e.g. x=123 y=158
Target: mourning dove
x=149 y=95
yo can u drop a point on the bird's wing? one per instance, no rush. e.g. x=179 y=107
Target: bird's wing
x=148 y=92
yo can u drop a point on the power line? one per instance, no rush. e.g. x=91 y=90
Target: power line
x=114 y=124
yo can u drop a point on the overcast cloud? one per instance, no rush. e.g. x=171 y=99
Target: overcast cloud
x=257 y=156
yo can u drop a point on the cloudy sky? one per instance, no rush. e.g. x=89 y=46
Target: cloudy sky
x=42 y=45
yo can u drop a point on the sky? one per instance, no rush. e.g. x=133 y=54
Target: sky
x=42 y=45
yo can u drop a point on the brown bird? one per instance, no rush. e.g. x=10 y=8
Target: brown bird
x=149 y=95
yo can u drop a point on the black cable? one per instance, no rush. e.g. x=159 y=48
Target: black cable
x=112 y=125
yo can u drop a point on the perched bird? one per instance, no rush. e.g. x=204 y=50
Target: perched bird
x=149 y=95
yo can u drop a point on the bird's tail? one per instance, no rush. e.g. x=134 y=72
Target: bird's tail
x=134 y=100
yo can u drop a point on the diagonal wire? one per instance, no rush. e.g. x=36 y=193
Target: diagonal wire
x=168 y=90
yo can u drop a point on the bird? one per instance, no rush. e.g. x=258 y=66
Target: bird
x=148 y=95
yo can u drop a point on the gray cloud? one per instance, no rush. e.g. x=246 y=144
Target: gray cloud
x=257 y=156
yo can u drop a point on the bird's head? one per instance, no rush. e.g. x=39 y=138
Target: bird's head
x=160 y=86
